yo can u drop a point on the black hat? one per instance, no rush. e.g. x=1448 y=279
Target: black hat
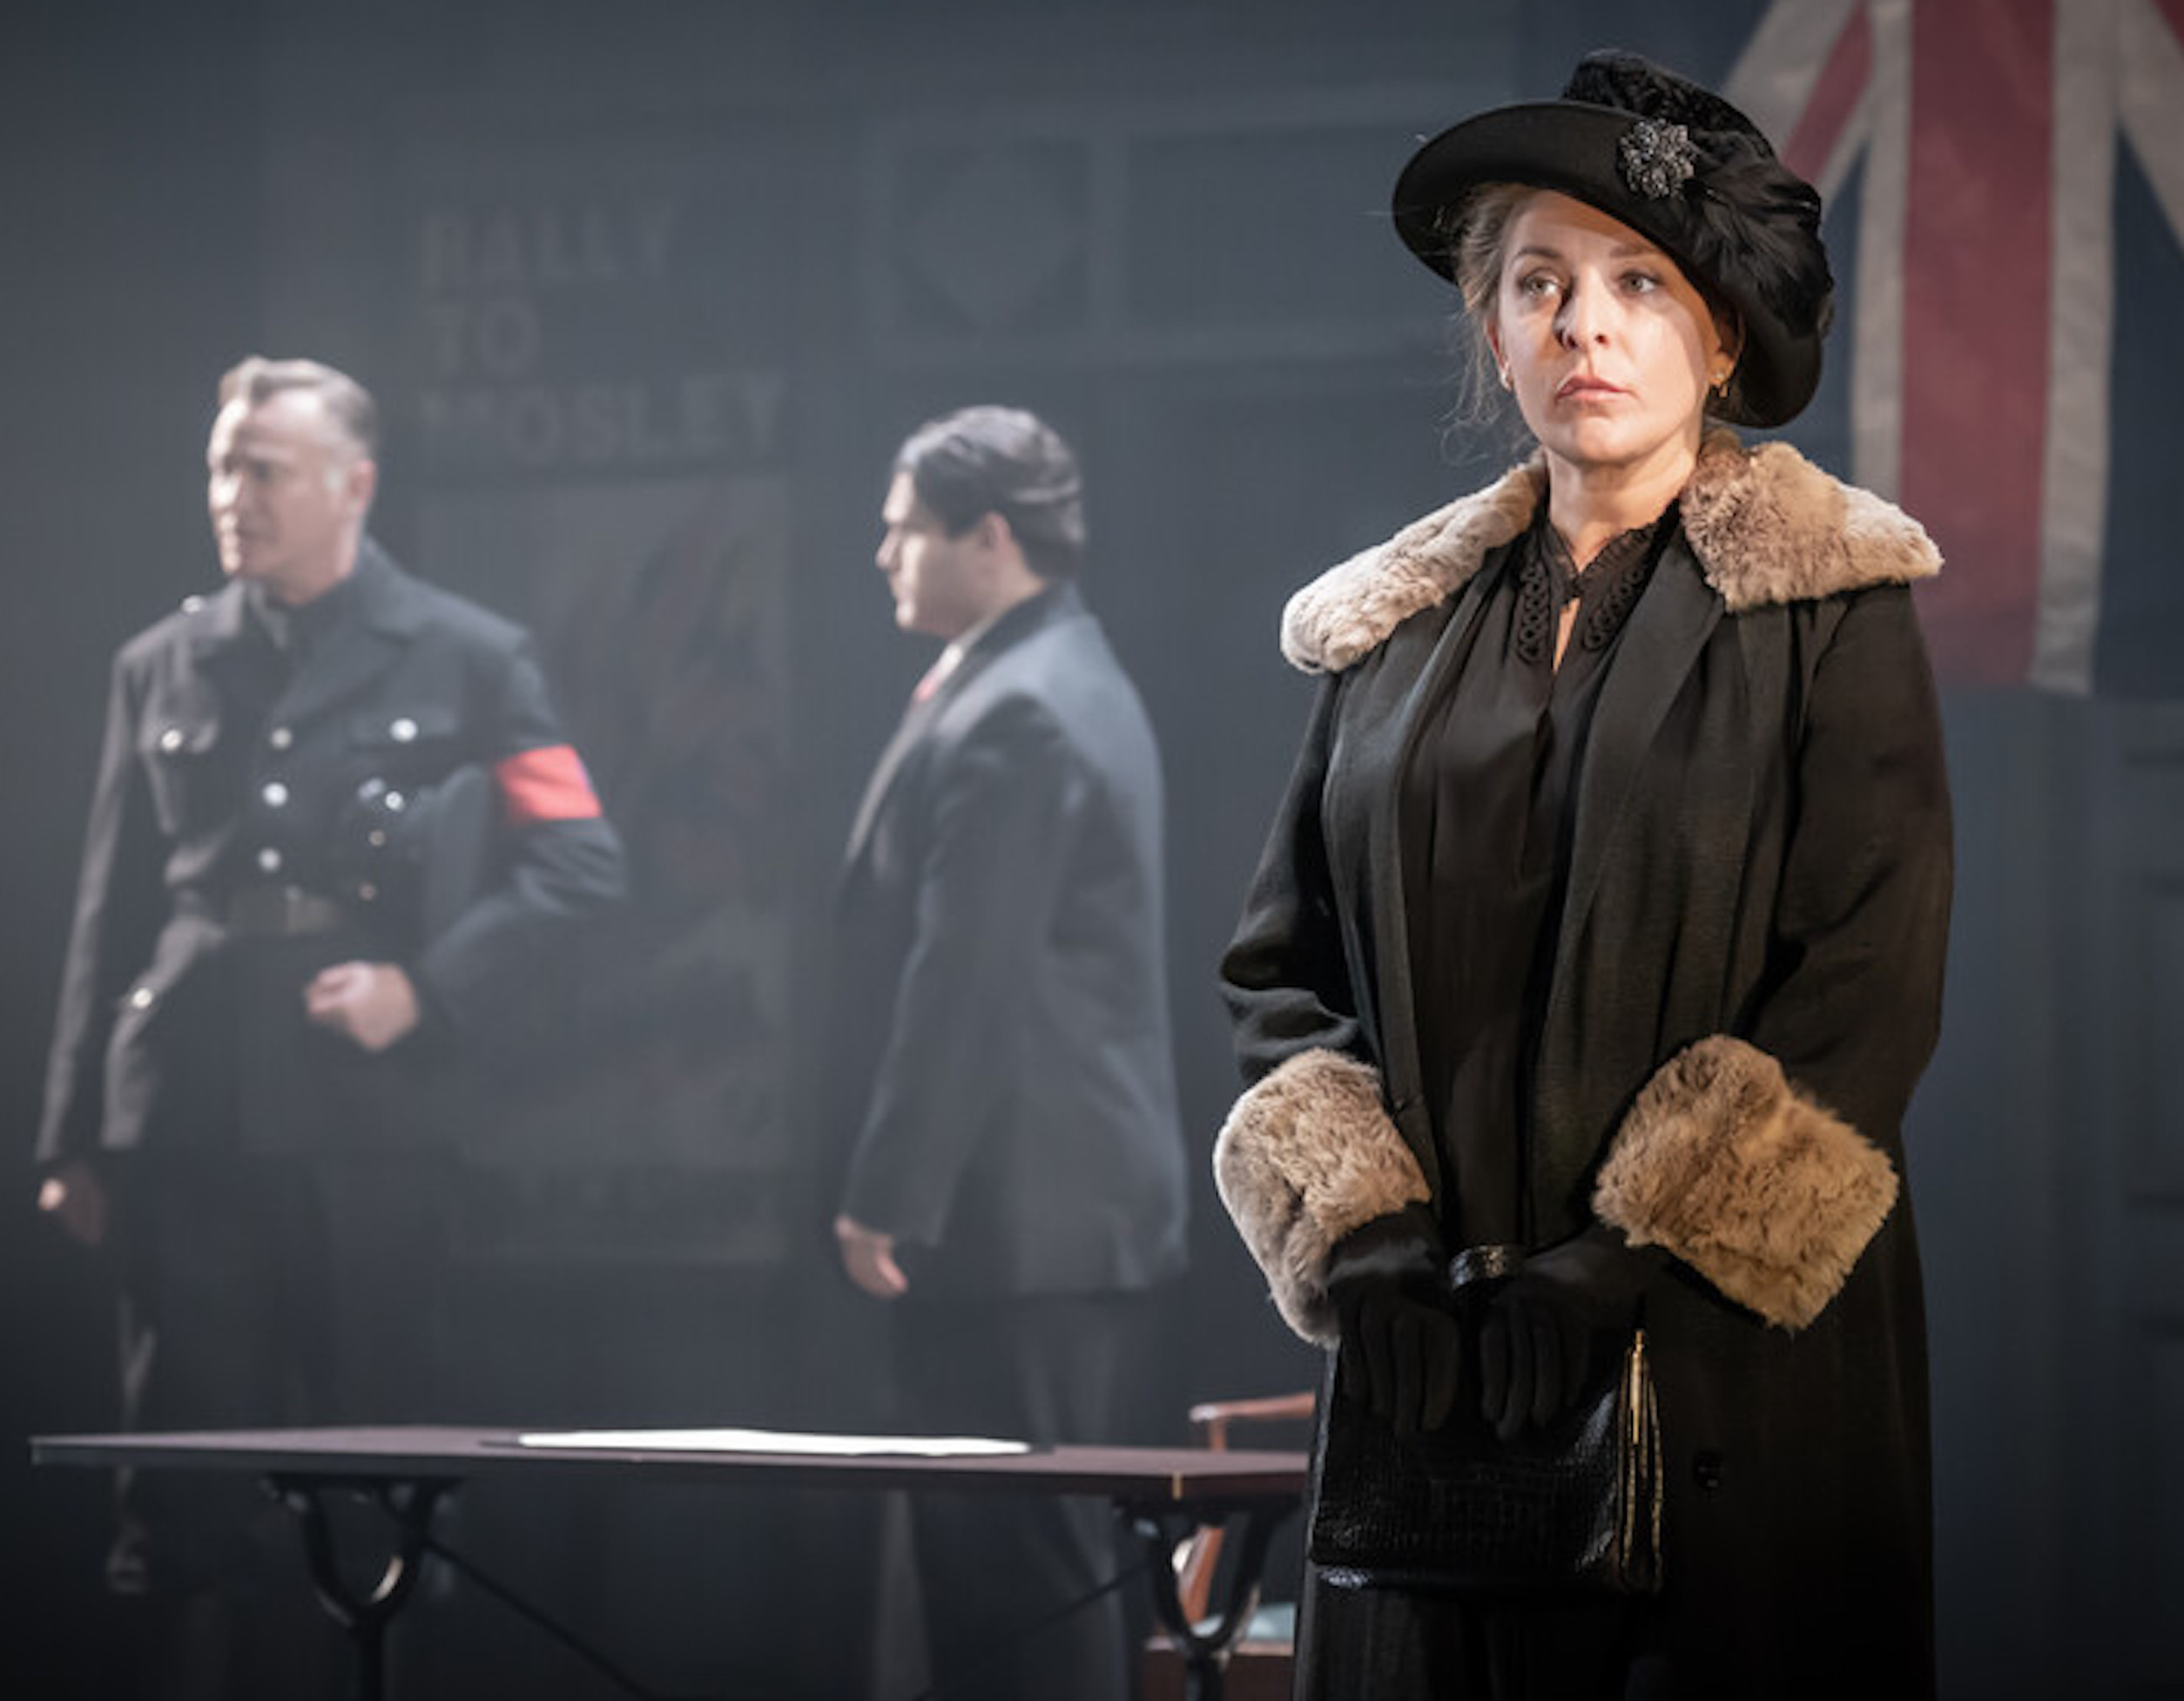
x=1681 y=166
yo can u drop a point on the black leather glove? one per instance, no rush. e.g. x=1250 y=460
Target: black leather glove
x=1402 y=1346
x=1537 y=1338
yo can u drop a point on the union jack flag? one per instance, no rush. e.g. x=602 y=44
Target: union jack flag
x=2019 y=174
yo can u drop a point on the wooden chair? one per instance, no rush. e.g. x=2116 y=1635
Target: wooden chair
x=1259 y=1664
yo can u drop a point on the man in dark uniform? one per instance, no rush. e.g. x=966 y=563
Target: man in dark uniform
x=1016 y=1185
x=336 y=824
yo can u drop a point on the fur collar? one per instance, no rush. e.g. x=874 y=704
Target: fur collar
x=1765 y=524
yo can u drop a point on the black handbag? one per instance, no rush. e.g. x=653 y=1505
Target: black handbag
x=1572 y=1506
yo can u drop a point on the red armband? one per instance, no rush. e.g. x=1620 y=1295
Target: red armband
x=548 y=784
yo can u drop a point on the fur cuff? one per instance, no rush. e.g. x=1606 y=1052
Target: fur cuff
x=1306 y=1155
x=1768 y=1196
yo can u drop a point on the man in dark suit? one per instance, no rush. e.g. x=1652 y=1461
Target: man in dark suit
x=336 y=828
x=1015 y=1186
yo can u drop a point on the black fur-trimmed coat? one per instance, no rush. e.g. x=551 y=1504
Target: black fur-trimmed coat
x=1746 y=988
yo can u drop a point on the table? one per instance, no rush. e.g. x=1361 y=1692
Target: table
x=1160 y=1493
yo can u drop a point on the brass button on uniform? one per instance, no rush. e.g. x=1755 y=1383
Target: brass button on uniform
x=280 y=738
x=269 y=859
x=275 y=793
x=171 y=741
x=403 y=730
x=140 y=997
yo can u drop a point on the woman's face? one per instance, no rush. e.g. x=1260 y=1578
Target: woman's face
x=1608 y=347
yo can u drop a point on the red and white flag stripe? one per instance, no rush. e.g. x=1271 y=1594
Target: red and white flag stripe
x=1985 y=293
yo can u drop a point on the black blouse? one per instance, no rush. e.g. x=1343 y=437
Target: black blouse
x=1485 y=834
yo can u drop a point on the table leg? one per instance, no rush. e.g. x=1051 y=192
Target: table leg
x=365 y=1615
x=1206 y=1650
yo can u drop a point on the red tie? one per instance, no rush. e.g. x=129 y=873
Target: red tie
x=930 y=680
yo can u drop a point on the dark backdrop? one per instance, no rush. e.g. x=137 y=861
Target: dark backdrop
x=1161 y=225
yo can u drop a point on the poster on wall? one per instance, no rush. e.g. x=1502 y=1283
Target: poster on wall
x=595 y=408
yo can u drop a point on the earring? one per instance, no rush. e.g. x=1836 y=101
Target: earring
x=1505 y=383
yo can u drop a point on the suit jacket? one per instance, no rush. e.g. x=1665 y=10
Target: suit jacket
x=221 y=773
x=1746 y=986
x=1002 y=988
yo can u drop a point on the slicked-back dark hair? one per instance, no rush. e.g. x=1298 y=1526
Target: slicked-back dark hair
x=991 y=460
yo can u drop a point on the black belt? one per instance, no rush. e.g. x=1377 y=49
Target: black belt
x=280 y=912
x=1484 y=1264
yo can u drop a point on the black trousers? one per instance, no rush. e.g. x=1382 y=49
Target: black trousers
x=994 y=1569
x=259 y=1290
x=288 y=1267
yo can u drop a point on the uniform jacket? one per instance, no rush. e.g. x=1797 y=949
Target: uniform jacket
x=413 y=698
x=1002 y=988
x=1746 y=988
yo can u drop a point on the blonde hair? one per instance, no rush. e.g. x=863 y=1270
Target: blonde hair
x=1477 y=229
x=1478 y=232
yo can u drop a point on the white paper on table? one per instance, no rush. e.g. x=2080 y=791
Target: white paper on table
x=777 y=1440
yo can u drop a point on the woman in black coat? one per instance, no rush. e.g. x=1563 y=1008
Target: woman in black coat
x=1600 y=937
